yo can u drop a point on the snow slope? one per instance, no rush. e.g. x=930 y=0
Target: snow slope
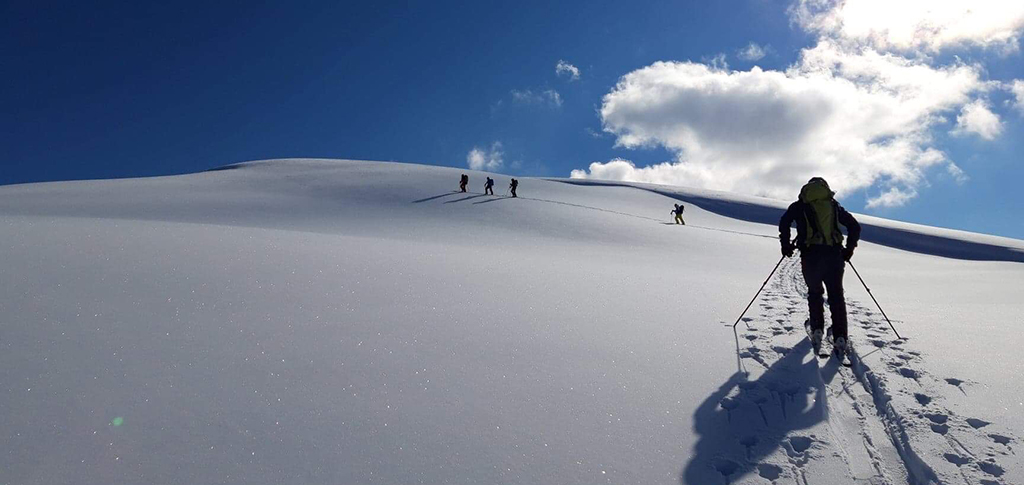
x=326 y=321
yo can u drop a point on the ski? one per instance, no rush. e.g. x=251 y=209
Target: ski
x=816 y=343
x=843 y=356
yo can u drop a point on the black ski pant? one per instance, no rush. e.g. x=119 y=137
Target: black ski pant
x=824 y=266
x=513 y=191
x=488 y=190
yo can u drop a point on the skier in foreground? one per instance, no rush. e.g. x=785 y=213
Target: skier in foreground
x=822 y=256
x=678 y=211
x=488 y=186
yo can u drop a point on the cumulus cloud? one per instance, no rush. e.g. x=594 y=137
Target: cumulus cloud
x=716 y=62
x=894 y=197
x=909 y=25
x=1017 y=89
x=752 y=52
x=490 y=160
x=565 y=69
x=978 y=119
x=958 y=175
x=853 y=119
x=859 y=115
x=548 y=97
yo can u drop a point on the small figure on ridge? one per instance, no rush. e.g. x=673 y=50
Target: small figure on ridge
x=678 y=211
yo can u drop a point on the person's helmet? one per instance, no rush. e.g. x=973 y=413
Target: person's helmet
x=817 y=179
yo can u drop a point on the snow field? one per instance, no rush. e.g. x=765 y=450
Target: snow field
x=311 y=321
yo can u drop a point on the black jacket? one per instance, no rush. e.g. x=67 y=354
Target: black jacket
x=795 y=213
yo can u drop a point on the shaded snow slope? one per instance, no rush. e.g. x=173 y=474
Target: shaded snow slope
x=315 y=321
x=947 y=243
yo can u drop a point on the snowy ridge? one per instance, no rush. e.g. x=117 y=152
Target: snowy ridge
x=948 y=243
x=334 y=321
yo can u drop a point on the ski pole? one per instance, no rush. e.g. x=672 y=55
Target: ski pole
x=758 y=292
x=873 y=298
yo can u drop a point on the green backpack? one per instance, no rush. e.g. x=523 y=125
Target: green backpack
x=820 y=214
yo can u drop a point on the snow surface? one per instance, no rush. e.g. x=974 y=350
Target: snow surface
x=326 y=321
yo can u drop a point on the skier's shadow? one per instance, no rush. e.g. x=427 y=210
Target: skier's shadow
x=462 y=199
x=446 y=194
x=738 y=429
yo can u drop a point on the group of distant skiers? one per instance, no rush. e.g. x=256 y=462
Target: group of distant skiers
x=488 y=185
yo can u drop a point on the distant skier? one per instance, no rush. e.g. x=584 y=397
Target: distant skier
x=678 y=211
x=512 y=186
x=463 y=182
x=488 y=186
x=822 y=256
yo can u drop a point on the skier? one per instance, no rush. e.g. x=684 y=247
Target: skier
x=512 y=186
x=463 y=182
x=678 y=211
x=488 y=186
x=822 y=256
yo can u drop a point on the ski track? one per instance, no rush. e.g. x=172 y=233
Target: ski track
x=883 y=418
x=495 y=198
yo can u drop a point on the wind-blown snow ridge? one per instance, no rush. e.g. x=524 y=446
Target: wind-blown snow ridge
x=908 y=237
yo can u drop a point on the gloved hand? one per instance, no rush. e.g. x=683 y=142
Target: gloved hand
x=847 y=253
x=787 y=249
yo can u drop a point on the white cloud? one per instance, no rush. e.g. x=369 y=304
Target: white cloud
x=978 y=119
x=958 y=175
x=752 y=52
x=851 y=109
x=894 y=197
x=716 y=62
x=1017 y=89
x=854 y=119
x=911 y=25
x=486 y=159
x=564 y=68
x=548 y=97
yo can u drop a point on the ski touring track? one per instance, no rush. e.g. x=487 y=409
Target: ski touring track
x=882 y=421
x=795 y=418
x=496 y=198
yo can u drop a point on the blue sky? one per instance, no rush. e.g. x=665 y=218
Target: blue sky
x=923 y=128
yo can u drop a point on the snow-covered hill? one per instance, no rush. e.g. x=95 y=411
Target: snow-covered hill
x=325 y=321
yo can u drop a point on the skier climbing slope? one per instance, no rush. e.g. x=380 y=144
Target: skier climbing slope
x=822 y=256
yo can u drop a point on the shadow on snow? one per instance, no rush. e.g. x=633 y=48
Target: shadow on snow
x=886 y=236
x=462 y=199
x=744 y=421
x=446 y=194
